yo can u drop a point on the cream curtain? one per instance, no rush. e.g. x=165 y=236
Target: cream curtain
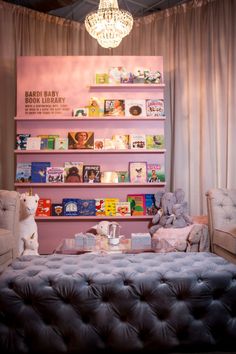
x=197 y=41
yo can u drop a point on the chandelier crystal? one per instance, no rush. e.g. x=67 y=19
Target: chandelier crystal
x=109 y=25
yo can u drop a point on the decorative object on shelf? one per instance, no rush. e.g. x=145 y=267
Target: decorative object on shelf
x=28 y=231
x=109 y=25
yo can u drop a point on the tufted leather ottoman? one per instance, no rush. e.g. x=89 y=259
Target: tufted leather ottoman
x=174 y=302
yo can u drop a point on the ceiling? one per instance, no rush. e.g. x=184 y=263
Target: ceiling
x=76 y=10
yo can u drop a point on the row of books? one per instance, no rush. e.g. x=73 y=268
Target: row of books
x=136 y=205
x=99 y=107
x=120 y=74
x=77 y=172
x=86 y=140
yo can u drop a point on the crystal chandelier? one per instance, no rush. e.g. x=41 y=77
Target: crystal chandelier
x=109 y=25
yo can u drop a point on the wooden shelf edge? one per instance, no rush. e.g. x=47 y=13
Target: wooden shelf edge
x=91 y=151
x=122 y=86
x=81 y=218
x=87 y=119
x=88 y=185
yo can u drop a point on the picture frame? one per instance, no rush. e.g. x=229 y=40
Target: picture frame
x=138 y=172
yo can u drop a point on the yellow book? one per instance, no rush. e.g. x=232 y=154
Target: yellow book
x=110 y=206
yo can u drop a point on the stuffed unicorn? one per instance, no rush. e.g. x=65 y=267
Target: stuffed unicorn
x=28 y=235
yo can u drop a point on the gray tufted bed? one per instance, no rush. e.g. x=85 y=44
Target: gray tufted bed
x=96 y=303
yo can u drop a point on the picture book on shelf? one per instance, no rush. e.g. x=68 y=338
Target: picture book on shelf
x=91 y=174
x=121 y=141
x=152 y=77
x=44 y=207
x=73 y=172
x=110 y=206
x=101 y=78
x=23 y=172
x=137 y=141
x=70 y=206
x=138 y=172
x=100 y=206
x=123 y=209
x=38 y=171
x=123 y=176
x=55 y=175
x=81 y=140
x=135 y=108
x=96 y=107
x=49 y=140
x=21 y=141
x=80 y=112
x=115 y=73
x=114 y=107
x=87 y=207
x=57 y=209
x=109 y=177
x=155 y=142
x=109 y=144
x=155 y=108
x=33 y=143
x=99 y=143
x=155 y=172
x=44 y=144
x=137 y=204
x=61 y=143
x=150 y=204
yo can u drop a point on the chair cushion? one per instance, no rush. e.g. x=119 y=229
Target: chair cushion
x=226 y=238
x=6 y=241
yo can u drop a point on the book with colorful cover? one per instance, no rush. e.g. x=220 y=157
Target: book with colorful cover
x=115 y=73
x=101 y=78
x=50 y=140
x=123 y=176
x=155 y=142
x=137 y=204
x=44 y=207
x=21 y=141
x=61 y=143
x=137 y=141
x=99 y=144
x=55 y=175
x=33 y=143
x=155 y=108
x=109 y=177
x=73 y=172
x=138 y=172
x=109 y=144
x=114 y=107
x=110 y=206
x=81 y=140
x=100 y=206
x=150 y=204
x=70 y=206
x=96 y=107
x=38 y=171
x=91 y=174
x=121 y=141
x=80 y=112
x=87 y=207
x=135 y=108
x=44 y=144
x=57 y=209
x=123 y=209
x=23 y=172
x=155 y=173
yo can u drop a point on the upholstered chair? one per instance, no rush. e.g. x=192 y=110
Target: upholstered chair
x=221 y=205
x=9 y=227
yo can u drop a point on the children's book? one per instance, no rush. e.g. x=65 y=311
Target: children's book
x=152 y=77
x=33 y=143
x=21 y=141
x=121 y=141
x=99 y=143
x=138 y=172
x=135 y=108
x=155 y=142
x=155 y=108
x=123 y=209
x=55 y=175
x=87 y=207
x=137 y=141
x=96 y=107
x=123 y=176
x=91 y=174
x=109 y=177
x=155 y=173
x=23 y=172
x=50 y=140
x=73 y=172
x=137 y=204
x=61 y=143
x=44 y=144
x=70 y=206
x=57 y=209
x=81 y=140
x=109 y=144
x=44 y=207
x=114 y=107
x=38 y=171
x=100 y=206
x=110 y=206
x=80 y=112
x=115 y=73
x=150 y=204
x=101 y=78
x=127 y=77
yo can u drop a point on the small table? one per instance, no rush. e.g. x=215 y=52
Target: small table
x=68 y=246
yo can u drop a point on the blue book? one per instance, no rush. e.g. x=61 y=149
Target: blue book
x=38 y=171
x=150 y=204
x=87 y=207
x=70 y=206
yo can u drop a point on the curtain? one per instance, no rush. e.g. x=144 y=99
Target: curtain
x=197 y=42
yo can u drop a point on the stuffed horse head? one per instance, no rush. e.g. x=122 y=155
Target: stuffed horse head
x=29 y=204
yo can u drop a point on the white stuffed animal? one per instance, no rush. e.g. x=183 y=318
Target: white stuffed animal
x=31 y=245
x=28 y=227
